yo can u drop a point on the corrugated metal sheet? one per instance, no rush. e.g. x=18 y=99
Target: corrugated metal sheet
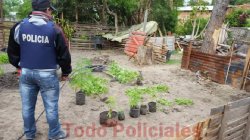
x=215 y=66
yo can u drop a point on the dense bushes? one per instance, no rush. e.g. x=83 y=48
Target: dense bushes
x=238 y=18
x=187 y=27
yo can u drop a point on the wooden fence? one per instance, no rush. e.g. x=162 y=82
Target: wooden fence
x=86 y=36
x=228 y=122
x=214 y=66
x=4 y=33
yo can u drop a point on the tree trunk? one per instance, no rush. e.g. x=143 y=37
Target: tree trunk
x=171 y=4
x=113 y=14
x=103 y=17
x=1 y=10
x=62 y=16
x=215 y=23
x=77 y=17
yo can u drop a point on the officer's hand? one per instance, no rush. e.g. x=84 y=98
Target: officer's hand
x=64 y=78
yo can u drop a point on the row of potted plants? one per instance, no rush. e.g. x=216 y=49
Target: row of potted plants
x=141 y=99
x=137 y=97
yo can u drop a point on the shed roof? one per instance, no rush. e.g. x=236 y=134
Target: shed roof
x=190 y=8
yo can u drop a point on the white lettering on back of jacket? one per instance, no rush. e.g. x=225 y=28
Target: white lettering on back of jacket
x=35 y=38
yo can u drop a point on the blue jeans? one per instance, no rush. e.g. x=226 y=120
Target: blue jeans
x=31 y=82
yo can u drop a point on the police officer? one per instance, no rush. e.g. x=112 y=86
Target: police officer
x=37 y=46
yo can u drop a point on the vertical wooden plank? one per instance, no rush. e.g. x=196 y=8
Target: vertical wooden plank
x=246 y=135
x=246 y=69
x=224 y=123
x=188 y=55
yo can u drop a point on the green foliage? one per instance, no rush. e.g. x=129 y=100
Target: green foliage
x=178 y=3
x=10 y=6
x=24 y=9
x=187 y=27
x=238 y=18
x=135 y=94
x=173 y=62
x=165 y=15
x=84 y=37
x=248 y=23
x=184 y=101
x=124 y=9
x=66 y=26
x=83 y=79
x=239 y=2
x=122 y=75
x=165 y=102
x=4 y=58
x=111 y=102
x=199 y=2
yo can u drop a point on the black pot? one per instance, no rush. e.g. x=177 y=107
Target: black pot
x=80 y=98
x=121 y=116
x=143 y=109
x=134 y=112
x=152 y=106
x=106 y=121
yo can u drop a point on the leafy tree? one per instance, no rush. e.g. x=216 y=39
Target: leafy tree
x=198 y=2
x=162 y=13
x=179 y=3
x=24 y=9
x=187 y=27
x=10 y=6
x=199 y=8
x=125 y=10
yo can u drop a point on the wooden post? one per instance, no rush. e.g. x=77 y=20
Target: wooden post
x=145 y=20
x=189 y=55
x=246 y=68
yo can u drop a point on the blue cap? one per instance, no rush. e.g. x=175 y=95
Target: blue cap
x=41 y=5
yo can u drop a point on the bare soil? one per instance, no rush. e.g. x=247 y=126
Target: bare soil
x=83 y=121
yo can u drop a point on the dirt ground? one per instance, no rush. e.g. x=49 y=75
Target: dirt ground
x=82 y=122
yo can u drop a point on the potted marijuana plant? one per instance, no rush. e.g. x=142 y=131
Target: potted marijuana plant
x=134 y=99
x=82 y=78
x=153 y=93
x=109 y=118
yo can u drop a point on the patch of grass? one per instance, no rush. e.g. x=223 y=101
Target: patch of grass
x=173 y=61
x=184 y=101
x=4 y=58
x=165 y=102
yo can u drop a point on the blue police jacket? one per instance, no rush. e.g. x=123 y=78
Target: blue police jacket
x=37 y=45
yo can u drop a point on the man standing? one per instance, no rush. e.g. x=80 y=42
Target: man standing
x=38 y=46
